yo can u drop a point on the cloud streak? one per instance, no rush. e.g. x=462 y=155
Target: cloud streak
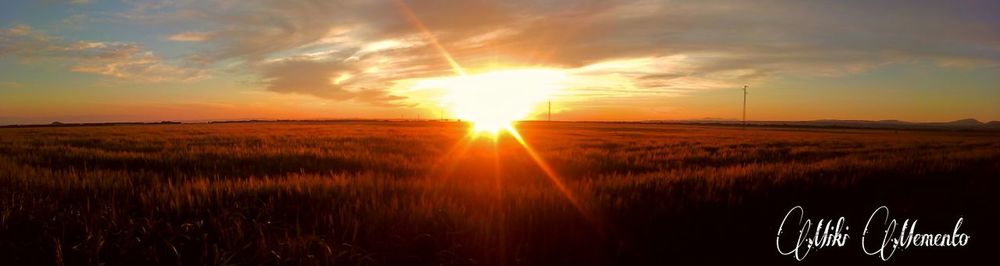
x=190 y=37
x=326 y=79
x=128 y=61
x=358 y=50
x=723 y=43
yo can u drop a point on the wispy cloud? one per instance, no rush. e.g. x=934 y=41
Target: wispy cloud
x=121 y=60
x=358 y=50
x=681 y=44
x=190 y=37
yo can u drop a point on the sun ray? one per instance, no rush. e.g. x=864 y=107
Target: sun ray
x=497 y=116
x=554 y=178
x=495 y=99
x=413 y=19
x=445 y=165
x=499 y=211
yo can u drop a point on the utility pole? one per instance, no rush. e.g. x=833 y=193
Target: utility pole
x=550 y=110
x=745 y=105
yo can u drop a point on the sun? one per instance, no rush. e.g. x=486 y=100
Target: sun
x=493 y=100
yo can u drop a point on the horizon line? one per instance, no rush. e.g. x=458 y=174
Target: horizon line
x=698 y=120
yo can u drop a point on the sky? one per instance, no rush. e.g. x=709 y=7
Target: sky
x=189 y=60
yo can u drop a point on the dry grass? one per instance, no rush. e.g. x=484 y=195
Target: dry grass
x=409 y=193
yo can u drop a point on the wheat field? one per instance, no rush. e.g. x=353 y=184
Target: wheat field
x=425 y=193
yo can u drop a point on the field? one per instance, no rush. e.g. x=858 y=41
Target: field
x=425 y=193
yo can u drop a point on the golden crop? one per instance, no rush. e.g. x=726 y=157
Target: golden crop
x=417 y=193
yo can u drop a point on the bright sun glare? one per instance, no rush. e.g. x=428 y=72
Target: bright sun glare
x=492 y=101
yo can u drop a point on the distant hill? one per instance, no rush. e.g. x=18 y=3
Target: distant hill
x=993 y=124
x=963 y=124
x=61 y=124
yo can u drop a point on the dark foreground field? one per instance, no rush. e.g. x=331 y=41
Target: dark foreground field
x=419 y=193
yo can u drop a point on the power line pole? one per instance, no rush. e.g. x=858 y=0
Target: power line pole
x=550 y=110
x=745 y=105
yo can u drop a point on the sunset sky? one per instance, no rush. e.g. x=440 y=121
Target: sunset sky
x=134 y=60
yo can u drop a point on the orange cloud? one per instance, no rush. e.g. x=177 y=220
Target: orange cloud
x=190 y=37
